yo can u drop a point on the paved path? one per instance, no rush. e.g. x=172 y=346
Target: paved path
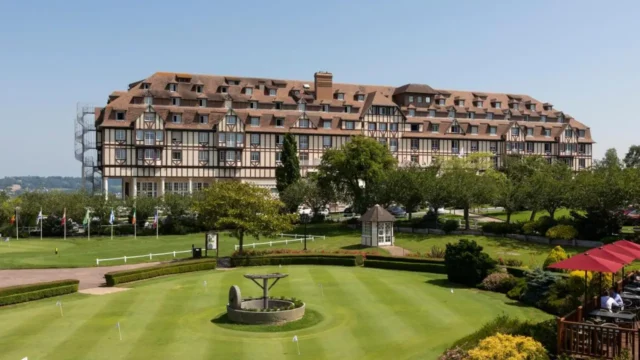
x=476 y=217
x=89 y=277
x=397 y=250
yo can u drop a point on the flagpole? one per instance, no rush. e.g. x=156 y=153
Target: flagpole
x=65 y=223
x=157 y=223
x=111 y=231
x=41 y=218
x=17 y=220
x=89 y=226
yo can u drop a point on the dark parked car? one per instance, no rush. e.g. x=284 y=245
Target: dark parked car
x=348 y=212
x=397 y=211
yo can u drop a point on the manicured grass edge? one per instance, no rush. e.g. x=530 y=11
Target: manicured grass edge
x=399 y=264
x=302 y=259
x=120 y=277
x=29 y=292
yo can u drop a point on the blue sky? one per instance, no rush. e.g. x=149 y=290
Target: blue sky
x=582 y=56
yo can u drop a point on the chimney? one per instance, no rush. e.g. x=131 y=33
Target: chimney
x=324 y=85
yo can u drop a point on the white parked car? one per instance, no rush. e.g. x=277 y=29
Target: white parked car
x=304 y=210
x=324 y=212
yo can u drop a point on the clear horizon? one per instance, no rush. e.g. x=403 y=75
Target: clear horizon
x=581 y=56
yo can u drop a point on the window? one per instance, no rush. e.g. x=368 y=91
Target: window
x=582 y=163
x=547 y=148
x=203 y=137
x=176 y=155
x=325 y=108
x=493 y=130
x=474 y=129
x=304 y=141
x=582 y=148
x=471 y=115
x=148 y=154
x=223 y=89
x=452 y=114
x=204 y=119
x=479 y=104
x=412 y=112
x=349 y=125
x=455 y=146
x=326 y=141
x=415 y=128
x=120 y=135
x=415 y=144
x=303 y=123
x=255 y=139
x=202 y=102
x=340 y=96
x=568 y=133
x=568 y=147
x=547 y=132
x=581 y=133
x=149 y=116
x=414 y=159
x=278 y=106
x=393 y=144
x=435 y=128
x=382 y=110
x=120 y=115
x=229 y=156
x=296 y=93
x=372 y=126
x=280 y=122
x=515 y=131
x=441 y=102
x=121 y=154
x=427 y=99
x=410 y=98
x=149 y=137
x=382 y=141
x=474 y=146
x=231 y=119
x=529 y=131
x=139 y=135
x=173 y=87
x=493 y=147
x=432 y=113
x=360 y=97
x=529 y=147
x=279 y=139
x=435 y=144
x=561 y=118
x=302 y=107
x=176 y=137
x=326 y=124
x=382 y=127
x=497 y=104
x=178 y=188
x=532 y=107
x=146 y=86
x=489 y=116
x=460 y=102
x=255 y=156
x=176 y=118
x=148 y=100
x=304 y=157
x=455 y=129
x=347 y=109
x=272 y=92
x=231 y=140
x=203 y=155
x=255 y=121
x=279 y=156
x=248 y=91
x=515 y=106
x=419 y=99
x=175 y=101
x=159 y=135
x=543 y=118
x=148 y=189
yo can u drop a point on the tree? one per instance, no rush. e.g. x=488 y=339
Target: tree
x=308 y=192
x=435 y=191
x=405 y=186
x=466 y=263
x=145 y=207
x=242 y=209
x=512 y=192
x=549 y=187
x=632 y=159
x=356 y=170
x=294 y=195
x=289 y=172
x=557 y=254
x=610 y=160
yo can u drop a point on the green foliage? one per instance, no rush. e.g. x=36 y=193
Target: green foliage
x=119 y=277
x=405 y=265
x=516 y=271
x=539 y=283
x=466 y=263
x=289 y=172
x=436 y=252
x=632 y=159
x=557 y=254
x=500 y=228
x=406 y=186
x=450 y=225
x=498 y=282
x=308 y=192
x=22 y=293
x=242 y=209
x=518 y=289
x=562 y=232
x=311 y=259
x=362 y=159
x=529 y=228
x=547 y=187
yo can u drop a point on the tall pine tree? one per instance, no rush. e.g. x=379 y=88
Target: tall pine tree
x=289 y=172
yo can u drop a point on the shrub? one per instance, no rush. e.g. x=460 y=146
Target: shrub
x=518 y=289
x=546 y=332
x=508 y=347
x=557 y=254
x=538 y=284
x=466 y=263
x=529 y=228
x=302 y=259
x=436 y=252
x=544 y=223
x=429 y=267
x=501 y=228
x=516 y=272
x=119 y=277
x=498 y=282
x=562 y=232
x=513 y=262
x=30 y=292
x=450 y=225
x=454 y=354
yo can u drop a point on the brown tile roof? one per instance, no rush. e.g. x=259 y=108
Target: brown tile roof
x=414 y=88
x=377 y=214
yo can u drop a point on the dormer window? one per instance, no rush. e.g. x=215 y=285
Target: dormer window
x=479 y=104
x=199 y=88
x=489 y=116
x=175 y=101
x=279 y=122
x=228 y=104
x=515 y=106
x=202 y=102
x=347 y=109
x=474 y=129
x=529 y=131
x=148 y=100
x=543 y=118
x=547 y=107
x=360 y=97
x=435 y=128
x=272 y=92
x=441 y=102
x=223 y=89
x=340 y=96
x=278 y=106
x=455 y=129
x=149 y=116
x=432 y=113
x=581 y=133
x=452 y=114
x=547 y=132
x=471 y=115
x=493 y=130
x=419 y=99
x=568 y=133
x=497 y=105
x=173 y=87
x=410 y=98
x=145 y=86
x=532 y=107
x=302 y=107
x=296 y=93
x=460 y=102
x=255 y=121
x=325 y=108
x=120 y=115
x=303 y=123
x=560 y=118
x=231 y=119
x=326 y=124
x=515 y=131
x=427 y=99
x=253 y=105
x=248 y=91
x=204 y=119
x=412 y=112
x=526 y=118
x=176 y=118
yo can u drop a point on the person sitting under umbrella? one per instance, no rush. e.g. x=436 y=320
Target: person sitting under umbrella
x=607 y=302
x=616 y=297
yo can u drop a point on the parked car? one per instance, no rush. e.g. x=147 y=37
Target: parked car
x=323 y=212
x=348 y=212
x=397 y=211
x=304 y=210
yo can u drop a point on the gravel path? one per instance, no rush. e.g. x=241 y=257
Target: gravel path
x=397 y=250
x=89 y=277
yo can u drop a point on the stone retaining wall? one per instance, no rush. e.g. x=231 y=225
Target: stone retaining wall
x=270 y=317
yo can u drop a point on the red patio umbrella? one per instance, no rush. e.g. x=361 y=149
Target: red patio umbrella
x=625 y=250
x=612 y=254
x=627 y=243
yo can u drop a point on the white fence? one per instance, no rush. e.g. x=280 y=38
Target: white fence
x=150 y=256
x=297 y=238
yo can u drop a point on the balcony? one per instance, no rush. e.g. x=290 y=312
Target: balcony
x=231 y=145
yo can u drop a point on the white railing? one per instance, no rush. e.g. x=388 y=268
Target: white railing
x=143 y=256
x=297 y=239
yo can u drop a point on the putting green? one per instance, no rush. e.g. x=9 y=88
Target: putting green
x=366 y=314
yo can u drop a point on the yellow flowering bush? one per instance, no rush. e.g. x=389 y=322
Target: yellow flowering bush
x=576 y=283
x=556 y=255
x=508 y=347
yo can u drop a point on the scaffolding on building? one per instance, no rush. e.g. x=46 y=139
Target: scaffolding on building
x=85 y=147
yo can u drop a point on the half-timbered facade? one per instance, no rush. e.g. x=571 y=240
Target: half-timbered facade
x=177 y=132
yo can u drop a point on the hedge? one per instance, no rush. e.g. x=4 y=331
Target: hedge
x=30 y=292
x=303 y=259
x=408 y=259
x=429 y=267
x=119 y=277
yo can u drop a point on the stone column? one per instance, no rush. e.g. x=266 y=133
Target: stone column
x=161 y=190
x=105 y=186
x=190 y=186
x=134 y=186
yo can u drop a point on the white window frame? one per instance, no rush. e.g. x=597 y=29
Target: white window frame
x=493 y=130
x=173 y=87
x=121 y=135
x=149 y=116
x=489 y=116
x=148 y=100
x=432 y=113
x=121 y=154
x=360 y=97
x=150 y=138
x=255 y=156
x=255 y=139
x=349 y=125
x=232 y=120
x=273 y=92
x=248 y=91
x=175 y=101
x=304 y=123
x=176 y=137
x=160 y=135
x=326 y=124
x=253 y=105
x=435 y=128
x=393 y=144
x=279 y=122
x=121 y=115
x=302 y=107
x=412 y=113
x=419 y=99
x=529 y=131
x=139 y=135
x=202 y=102
x=340 y=96
x=304 y=145
x=176 y=118
x=347 y=109
x=203 y=155
x=327 y=141
x=203 y=137
x=254 y=121
x=382 y=126
x=474 y=129
x=203 y=119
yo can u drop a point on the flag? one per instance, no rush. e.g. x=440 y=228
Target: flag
x=64 y=217
x=13 y=219
x=112 y=218
x=133 y=219
x=39 y=217
x=155 y=219
x=295 y=338
x=87 y=218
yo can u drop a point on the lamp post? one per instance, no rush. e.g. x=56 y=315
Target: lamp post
x=304 y=218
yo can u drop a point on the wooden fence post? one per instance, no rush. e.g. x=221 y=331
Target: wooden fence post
x=579 y=312
x=560 y=334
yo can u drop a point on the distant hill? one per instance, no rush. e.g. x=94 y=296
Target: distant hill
x=19 y=184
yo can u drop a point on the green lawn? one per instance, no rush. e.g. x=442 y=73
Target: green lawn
x=368 y=314
x=530 y=254
x=524 y=216
x=80 y=252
